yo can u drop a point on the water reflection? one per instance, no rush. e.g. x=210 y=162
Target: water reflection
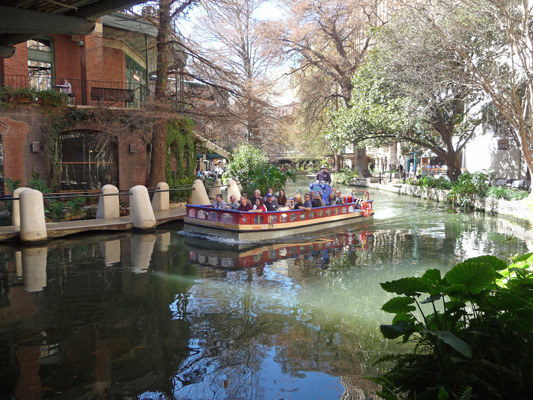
x=169 y=316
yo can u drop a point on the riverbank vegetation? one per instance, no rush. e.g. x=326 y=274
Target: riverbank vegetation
x=472 y=331
x=250 y=165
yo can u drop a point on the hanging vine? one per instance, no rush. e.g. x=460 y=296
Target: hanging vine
x=182 y=148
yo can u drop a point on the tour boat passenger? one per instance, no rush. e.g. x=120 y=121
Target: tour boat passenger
x=234 y=205
x=219 y=203
x=269 y=204
x=246 y=205
x=299 y=205
x=259 y=206
x=307 y=201
x=282 y=199
x=257 y=194
x=339 y=199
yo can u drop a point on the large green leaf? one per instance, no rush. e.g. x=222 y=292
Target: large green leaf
x=398 y=305
x=406 y=286
x=432 y=276
x=457 y=344
x=494 y=262
x=470 y=277
x=395 y=331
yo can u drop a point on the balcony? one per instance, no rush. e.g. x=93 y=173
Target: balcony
x=85 y=92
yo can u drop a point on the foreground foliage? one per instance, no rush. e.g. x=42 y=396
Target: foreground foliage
x=472 y=331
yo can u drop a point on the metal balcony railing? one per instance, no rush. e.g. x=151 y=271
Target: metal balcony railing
x=84 y=91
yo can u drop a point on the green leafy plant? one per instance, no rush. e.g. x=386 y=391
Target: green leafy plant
x=468 y=186
x=346 y=176
x=181 y=195
x=472 y=330
x=432 y=182
x=55 y=210
x=251 y=166
x=501 y=192
x=12 y=185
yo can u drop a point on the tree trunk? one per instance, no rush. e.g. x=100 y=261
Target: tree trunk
x=159 y=134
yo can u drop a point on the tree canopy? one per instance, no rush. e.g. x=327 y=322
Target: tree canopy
x=409 y=91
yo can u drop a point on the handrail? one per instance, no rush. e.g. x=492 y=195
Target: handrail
x=96 y=194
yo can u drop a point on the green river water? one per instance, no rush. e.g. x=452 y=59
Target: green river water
x=171 y=316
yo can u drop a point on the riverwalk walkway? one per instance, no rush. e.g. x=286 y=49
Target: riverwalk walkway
x=65 y=228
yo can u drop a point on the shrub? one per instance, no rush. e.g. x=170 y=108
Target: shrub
x=500 y=192
x=467 y=186
x=346 y=176
x=251 y=166
x=472 y=332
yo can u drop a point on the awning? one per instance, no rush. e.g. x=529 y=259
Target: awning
x=209 y=156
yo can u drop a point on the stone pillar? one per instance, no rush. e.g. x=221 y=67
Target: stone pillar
x=233 y=189
x=141 y=213
x=34 y=268
x=199 y=194
x=160 y=201
x=32 y=219
x=216 y=189
x=15 y=212
x=108 y=206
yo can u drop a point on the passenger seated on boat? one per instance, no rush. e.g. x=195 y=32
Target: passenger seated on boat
x=234 y=205
x=246 y=205
x=332 y=199
x=299 y=205
x=317 y=201
x=282 y=199
x=257 y=194
x=339 y=199
x=269 y=205
x=270 y=192
x=219 y=203
x=307 y=201
x=259 y=206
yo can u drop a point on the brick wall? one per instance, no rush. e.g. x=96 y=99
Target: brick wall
x=16 y=66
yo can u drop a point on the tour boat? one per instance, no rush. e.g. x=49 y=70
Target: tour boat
x=255 y=227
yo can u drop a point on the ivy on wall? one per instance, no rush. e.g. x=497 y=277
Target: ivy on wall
x=182 y=146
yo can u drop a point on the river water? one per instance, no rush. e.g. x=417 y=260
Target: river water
x=170 y=316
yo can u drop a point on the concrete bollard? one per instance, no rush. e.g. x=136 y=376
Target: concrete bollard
x=217 y=189
x=199 y=195
x=160 y=201
x=233 y=189
x=142 y=247
x=34 y=268
x=15 y=213
x=108 y=206
x=32 y=219
x=141 y=213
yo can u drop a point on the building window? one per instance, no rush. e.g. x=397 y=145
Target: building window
x=41 y=63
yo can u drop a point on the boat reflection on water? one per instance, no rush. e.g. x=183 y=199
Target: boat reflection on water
x=319 y=250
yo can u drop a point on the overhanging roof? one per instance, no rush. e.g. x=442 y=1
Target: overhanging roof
x=21 y=20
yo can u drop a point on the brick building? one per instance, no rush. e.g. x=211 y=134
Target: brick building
x=109 y=69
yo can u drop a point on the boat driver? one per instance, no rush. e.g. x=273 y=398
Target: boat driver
x=323 y=175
